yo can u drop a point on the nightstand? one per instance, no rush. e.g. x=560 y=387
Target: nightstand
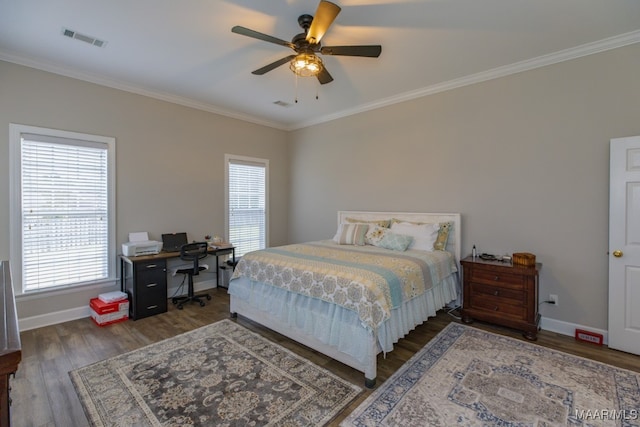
x=501 y=293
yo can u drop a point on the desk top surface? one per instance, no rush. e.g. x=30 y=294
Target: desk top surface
x=212 y=250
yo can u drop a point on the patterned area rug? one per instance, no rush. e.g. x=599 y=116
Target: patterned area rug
x=468 y=377
x=221 y=374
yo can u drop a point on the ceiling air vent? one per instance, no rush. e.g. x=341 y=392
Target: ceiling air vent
x=83 y=37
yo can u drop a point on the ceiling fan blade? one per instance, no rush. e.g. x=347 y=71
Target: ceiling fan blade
x=276 y=64
x=324 y=77
x=324 y=17
x=256 y=35
x=371 y=51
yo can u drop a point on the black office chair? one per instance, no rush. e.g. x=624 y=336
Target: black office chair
x=192 y=252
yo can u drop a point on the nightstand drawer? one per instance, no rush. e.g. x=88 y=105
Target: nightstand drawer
x=498 y=305
x=518 y=296
x=500 y=278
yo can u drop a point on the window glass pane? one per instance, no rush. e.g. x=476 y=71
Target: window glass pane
x=65 y=202
x=247 y=204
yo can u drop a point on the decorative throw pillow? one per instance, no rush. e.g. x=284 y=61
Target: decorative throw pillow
x=443 y=235
x=424 y=235
x=351 y=234
x=374 y=235
x=395 y=242
x=385 y=223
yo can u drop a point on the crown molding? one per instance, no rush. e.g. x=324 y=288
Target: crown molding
x=162 y=96
x=518 y=67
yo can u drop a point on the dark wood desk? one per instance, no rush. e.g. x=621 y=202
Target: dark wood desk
x=10 y=347
x=144 y=279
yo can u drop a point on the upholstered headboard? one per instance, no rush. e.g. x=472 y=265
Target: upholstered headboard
x=455 y=235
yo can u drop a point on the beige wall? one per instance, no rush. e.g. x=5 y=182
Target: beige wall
x=170 y=159
x=524 y=158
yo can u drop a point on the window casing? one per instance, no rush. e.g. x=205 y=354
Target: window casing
x=63 y=204
x=247 y=201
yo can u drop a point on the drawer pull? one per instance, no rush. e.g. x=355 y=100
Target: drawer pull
x=151 y=307
x=496 y=293
x=496 y=278
x=151 y=285
x=152 y=266
x=495 y=308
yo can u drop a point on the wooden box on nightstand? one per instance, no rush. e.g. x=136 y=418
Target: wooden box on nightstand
x=501 y=293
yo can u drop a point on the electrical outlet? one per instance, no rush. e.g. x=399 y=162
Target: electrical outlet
x=554 y=298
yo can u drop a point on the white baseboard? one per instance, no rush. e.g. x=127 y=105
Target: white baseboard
x=566 y=328
x=48 y=319
x=39 y=321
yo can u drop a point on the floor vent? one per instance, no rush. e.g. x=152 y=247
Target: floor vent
x=83 y=37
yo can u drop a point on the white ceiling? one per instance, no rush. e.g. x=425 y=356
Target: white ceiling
x=184 y=51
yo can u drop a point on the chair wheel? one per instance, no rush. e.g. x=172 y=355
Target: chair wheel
x=174 y=301
x=179 y=306
x=208 y=297
x=201 y=303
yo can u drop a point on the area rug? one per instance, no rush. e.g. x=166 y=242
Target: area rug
x=218 y=375
x=468 y=377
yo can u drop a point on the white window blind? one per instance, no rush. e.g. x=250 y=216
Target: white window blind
x=65 y=203
x=247 y=205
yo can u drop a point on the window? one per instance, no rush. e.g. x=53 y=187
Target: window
x=247 y=184
x=62 y=215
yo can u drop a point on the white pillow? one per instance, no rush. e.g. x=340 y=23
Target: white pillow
x=424 y=235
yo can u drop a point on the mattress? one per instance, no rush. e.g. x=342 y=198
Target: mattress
x=321 y=288
x=366 y=279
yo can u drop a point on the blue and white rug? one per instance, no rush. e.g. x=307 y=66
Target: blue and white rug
x=469 y=377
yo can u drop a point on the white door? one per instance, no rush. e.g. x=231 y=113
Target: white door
x=624 y=245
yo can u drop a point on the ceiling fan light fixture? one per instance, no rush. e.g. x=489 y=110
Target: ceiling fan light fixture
x=306 y=65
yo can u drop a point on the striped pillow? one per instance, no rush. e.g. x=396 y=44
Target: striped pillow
x=351 y=234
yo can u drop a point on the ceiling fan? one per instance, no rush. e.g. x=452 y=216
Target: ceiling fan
x=305 y=62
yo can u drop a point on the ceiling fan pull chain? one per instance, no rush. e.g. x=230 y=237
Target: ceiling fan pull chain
x=296 y=88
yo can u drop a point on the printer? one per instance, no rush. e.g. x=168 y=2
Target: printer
x=139 y=244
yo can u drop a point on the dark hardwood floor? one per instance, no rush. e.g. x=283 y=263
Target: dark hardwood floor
x=43 y=395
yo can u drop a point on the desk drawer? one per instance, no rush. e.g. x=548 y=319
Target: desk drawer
x=151 y=280
x=150 y=304
x=146 y=268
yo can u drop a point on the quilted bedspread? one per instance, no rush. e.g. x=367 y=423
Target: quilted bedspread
x=366 y=279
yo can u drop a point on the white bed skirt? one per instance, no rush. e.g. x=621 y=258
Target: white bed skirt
x=334 y=326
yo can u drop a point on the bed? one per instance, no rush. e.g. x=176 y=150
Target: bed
x=350 y=300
